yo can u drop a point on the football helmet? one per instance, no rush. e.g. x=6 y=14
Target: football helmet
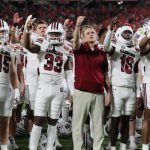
x=4 y=31
x=64 y=129
x=55 y=33
x=120 y=35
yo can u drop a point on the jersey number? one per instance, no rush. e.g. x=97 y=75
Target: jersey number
x=4 y=63
x=126 y=63
x=50 y=63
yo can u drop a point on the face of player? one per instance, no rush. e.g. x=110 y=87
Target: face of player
x=41 y=29
x=55 y=34
x=127 y=35
x=4 y=35
x=89 y=35
x=69 y=34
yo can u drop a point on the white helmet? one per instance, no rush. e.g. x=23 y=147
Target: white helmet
x=4 y=27
x=119 y=36
x=55 y=27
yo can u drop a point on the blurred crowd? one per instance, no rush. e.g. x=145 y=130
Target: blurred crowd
x=99 y=16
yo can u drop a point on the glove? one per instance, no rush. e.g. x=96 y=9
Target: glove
x=16 y=96
x=27 y=25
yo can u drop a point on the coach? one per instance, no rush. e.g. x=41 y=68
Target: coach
x=90 y=79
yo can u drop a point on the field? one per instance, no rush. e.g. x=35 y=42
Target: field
x=66 y=142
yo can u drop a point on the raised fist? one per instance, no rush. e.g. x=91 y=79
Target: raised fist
x=80 y=19
x=114 y=24
x=29 y=22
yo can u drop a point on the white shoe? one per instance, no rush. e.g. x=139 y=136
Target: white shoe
x=123 y=146
x=132 y=146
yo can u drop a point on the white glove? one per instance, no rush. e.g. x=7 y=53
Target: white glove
x=16 y=95
x=29 y=19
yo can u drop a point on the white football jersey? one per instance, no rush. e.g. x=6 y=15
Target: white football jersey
x=5 y=60
x=52 y=63
x=32 y=69
x=124 y=64
x=32 y=63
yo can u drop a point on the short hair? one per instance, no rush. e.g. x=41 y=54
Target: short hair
x=84 y=27
x=37 y=22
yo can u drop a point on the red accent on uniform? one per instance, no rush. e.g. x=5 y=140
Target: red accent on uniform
x=90 y=67
x=57 y=25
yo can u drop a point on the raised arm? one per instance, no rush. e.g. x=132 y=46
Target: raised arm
x=144 y=45
x=76 y=37
x=16 y=22
x=26 y=36
x=109 y=34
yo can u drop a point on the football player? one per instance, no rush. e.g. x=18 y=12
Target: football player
x=124 y=59
x=15 y=35
x=144 y=44
x=8 y=74
x=39 y=33
x=54 y=62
